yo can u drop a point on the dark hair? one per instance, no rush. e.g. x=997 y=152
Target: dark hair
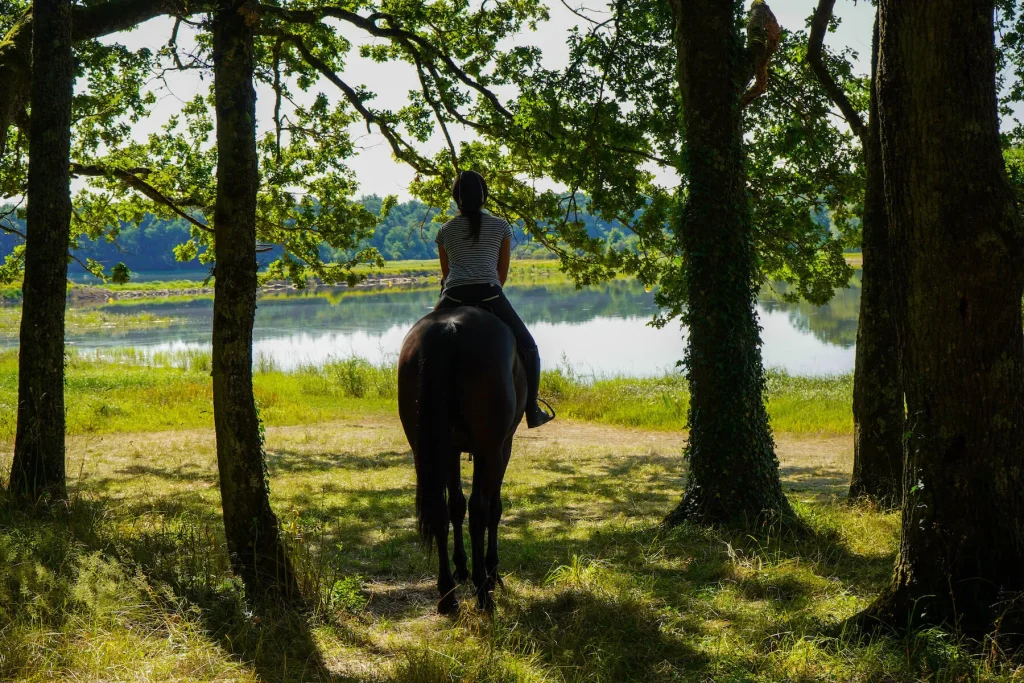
x=470 y=193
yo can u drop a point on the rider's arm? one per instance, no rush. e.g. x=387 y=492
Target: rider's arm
x=443 y=255
x=504 y=256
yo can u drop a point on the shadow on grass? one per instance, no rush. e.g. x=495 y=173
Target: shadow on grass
x=280 y=460
x=175 y=562
x=602 y=633
x=822 y=482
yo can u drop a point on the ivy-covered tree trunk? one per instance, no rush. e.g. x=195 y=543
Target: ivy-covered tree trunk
x=733 y=472
x=957 y=237
x=878 y=417
x=258 y=554
x=38 y=465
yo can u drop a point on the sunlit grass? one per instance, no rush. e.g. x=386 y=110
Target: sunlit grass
x=131 y=390
x=795 y=404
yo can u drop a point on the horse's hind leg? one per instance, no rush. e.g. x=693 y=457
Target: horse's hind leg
x=448 y=603
x=493 y=519
x=479 y=510
x=488 y=470
x=457 y=512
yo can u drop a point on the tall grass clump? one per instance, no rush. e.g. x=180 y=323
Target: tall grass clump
x=351 y=378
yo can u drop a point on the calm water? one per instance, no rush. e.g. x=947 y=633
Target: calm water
x=600 y=330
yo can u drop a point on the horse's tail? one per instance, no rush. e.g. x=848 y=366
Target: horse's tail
x=434 y=439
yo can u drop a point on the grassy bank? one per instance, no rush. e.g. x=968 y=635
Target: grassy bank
x=125 y=391
x=82 y=320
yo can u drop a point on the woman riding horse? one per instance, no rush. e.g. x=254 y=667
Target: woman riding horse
x=475 y=249
x=462 y=388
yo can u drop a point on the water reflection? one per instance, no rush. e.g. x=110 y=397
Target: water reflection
x=601 y=330
x=834 y=323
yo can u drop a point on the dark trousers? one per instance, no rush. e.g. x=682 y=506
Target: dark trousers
x=493 y=299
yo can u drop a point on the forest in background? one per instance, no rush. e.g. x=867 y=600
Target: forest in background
x=407 y=233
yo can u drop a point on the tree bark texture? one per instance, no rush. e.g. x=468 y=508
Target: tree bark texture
x=733 y=472
x=258 y=554
x=38 y=465
x=878 y=413
x=959 y=279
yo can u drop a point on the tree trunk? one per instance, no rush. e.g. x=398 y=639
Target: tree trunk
x=38 y=465
x=957 y=246
x=733 y=472
x=878 y=418
x=258 y=554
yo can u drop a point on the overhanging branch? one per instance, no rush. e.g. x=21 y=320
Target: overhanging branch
x=130 y=177
x=402 y=149
x=819 y=26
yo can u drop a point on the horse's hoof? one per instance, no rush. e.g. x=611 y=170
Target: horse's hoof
x=448 y=606
x=461 y=574
x=485 y=603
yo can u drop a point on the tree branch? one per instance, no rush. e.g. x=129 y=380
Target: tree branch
x=402 y=149
x=369 y=24
x=129 y=178
x=819 y=26
x=94 y=21
x=277 y=98
x=437 y=113
x=11 y=230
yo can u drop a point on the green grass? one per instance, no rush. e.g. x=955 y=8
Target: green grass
x=175 y=392
x=81 y=320
x=123 y=390
x=803 y=405
x=131 y=580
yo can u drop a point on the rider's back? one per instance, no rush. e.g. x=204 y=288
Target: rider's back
x=473 y=262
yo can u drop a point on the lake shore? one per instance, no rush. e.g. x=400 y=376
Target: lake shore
x=84 y=294
x=392 y=274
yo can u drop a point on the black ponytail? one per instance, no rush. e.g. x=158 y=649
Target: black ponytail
x=470 y=192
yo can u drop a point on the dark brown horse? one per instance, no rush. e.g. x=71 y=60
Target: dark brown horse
x=461 y=389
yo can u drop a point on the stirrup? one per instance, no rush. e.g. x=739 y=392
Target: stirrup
x=547 y=418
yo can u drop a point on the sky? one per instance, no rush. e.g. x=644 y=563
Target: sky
x=376 y=170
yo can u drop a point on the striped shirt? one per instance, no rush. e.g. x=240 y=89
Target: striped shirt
x=469 y=262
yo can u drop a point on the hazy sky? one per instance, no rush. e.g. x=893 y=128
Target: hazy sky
x=376 y=170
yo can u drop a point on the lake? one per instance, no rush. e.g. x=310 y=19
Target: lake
x=601 y=330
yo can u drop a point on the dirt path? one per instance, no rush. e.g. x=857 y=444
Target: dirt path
x=811 y=464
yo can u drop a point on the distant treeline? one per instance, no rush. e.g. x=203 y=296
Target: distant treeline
x=407 y=233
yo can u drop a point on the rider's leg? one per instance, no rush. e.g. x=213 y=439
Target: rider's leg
x=501 y=307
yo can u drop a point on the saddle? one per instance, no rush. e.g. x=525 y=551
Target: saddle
x=482 y=304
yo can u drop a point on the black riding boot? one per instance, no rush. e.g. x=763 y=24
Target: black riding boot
x=535 y=415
